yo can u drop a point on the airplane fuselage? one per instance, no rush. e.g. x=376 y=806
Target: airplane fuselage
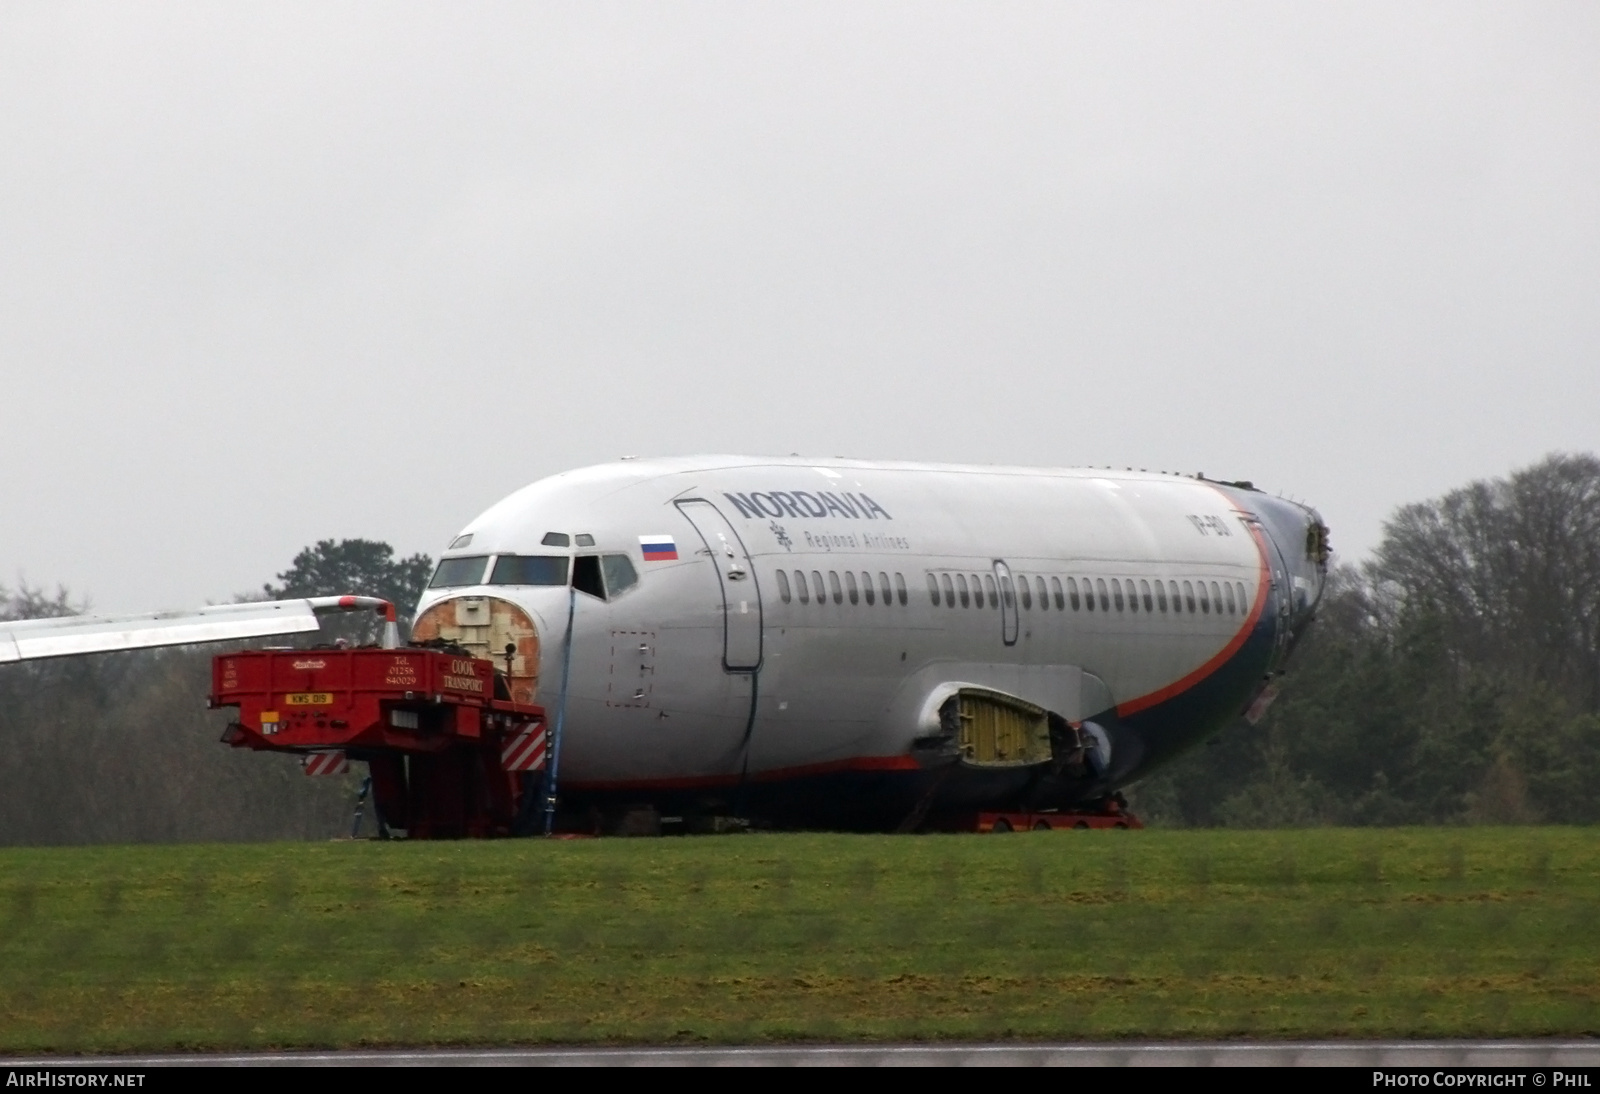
x=851 y=643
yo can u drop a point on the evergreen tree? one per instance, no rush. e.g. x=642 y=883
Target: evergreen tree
x=360 y=567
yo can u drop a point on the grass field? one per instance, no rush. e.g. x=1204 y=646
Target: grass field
x=1325 y=932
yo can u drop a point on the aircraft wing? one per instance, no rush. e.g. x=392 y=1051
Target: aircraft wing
x=70 y=635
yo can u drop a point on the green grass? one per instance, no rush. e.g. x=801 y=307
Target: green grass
x=1191 y=934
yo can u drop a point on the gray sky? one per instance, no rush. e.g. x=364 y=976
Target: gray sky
x=272 y=273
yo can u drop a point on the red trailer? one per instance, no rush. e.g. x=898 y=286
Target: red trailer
x=1110 y=813
x=447 y=749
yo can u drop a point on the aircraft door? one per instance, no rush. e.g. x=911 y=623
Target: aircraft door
x=1008 y=603
x=736 y=577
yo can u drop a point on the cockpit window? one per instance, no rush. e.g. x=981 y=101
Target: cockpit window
x=619 y=574
x=460 y=541
x=604 y=576
x=529 y=570
x=556 y=539
x=586 y=576
x=467 y=570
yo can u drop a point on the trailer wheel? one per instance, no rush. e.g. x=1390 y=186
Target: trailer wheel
x=1000 y=825
x=1042 y=826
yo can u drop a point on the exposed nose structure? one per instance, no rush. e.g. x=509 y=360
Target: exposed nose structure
x=488 y=627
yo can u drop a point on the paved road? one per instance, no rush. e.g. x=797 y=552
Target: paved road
x=1530 y=1054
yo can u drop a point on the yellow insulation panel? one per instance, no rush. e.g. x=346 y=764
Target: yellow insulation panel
x=1001 y=730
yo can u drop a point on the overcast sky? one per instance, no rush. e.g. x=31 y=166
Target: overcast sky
x=271 y=273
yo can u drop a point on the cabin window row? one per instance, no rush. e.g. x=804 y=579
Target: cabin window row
x=849 y=588
x=1089 y=594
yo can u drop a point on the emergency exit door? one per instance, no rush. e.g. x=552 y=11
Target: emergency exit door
x=736 y=578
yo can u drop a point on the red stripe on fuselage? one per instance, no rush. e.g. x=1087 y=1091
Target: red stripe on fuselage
x=858 y=763
x=1263 y=588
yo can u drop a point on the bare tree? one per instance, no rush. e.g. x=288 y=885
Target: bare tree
x=1512 y=566
x=32 y=602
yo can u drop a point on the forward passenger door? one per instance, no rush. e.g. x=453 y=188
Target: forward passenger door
x=736 y=578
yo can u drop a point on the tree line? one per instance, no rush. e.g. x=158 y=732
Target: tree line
x=1452 y=678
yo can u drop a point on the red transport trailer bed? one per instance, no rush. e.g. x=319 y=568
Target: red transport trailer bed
x=447 y=755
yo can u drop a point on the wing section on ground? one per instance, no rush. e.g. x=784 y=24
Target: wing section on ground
x=71 y=635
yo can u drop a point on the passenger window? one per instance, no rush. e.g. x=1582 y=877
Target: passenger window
x=1216 y=596
x=1232 y=606
x=949 y=590
x=1144 y=594
x=529 y=570
x=1072 y=592
x=556 y=539
x=1105 y=597
x=1188 y=596
x=1244 y=600
x=1025 y=591
x=933 y=589
x=586 y=576
x=1177 y=598
x=850 y=583
x=1161 y=596
x=1205 y=603
x=1061 y=600
x=1039 y=591
x=900 y=586
x=1133 y=597
x=994 y=595
x=619 y=574
x=866 y=587
x=1116 y=593
x=883 y=587
x=800 y=586
x=783 y=586
x=833 y=583
x=1007 y=593
x=961 y=590
x=1088 y=594
x=463 y=571
x=816 y=587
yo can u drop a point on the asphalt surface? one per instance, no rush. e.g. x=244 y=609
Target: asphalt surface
x=1496 y=1054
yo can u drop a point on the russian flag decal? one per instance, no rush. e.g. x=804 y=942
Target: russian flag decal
x=658 y=548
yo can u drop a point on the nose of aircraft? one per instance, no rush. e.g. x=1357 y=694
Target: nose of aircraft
x=489 y=627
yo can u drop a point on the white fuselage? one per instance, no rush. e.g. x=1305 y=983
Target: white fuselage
x=818 y=612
